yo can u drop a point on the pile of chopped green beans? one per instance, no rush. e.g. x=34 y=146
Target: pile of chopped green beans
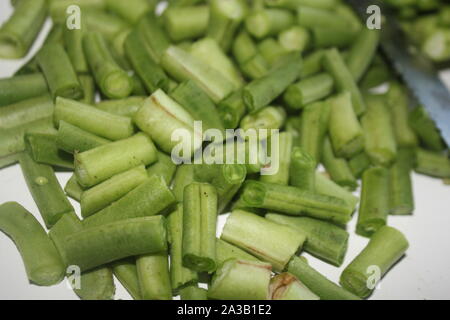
x=103 y=101
x=427 y=23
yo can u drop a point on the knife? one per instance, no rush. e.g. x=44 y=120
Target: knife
x=416 y=70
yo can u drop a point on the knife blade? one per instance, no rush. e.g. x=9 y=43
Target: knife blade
x=417 y=71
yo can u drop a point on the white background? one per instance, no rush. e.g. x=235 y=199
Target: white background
x=424 y=273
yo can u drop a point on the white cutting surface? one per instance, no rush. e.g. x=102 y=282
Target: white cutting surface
x=424 y=273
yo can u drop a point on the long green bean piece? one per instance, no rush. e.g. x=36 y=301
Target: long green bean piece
x=294 y=201
x=42 y=261
x=96 y=246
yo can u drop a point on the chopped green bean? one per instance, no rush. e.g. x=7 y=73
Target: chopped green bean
x=183 y=66
x=269 y=241
x=23 y=87
x=241 y=280
x=180 y=276
x=95 y=246
x=151 y=74
x=302 y=170
x=154 y=278
x=398 y=101
x=198 y=104
x=123 y=107
x=400 y=188
x=18 y=33
x=226 y=251
x=374 y=207
x=199 y=227
x=128 y=153
x=59 y=72
x=152 y=118
x=317 y=283
x=294 y=201
x=345 y=131
x=126 y=272
x=42 y=261
x=112 y=80
x=385 y=248
x=425 y=129
x=225 y=19
x=324 y=240
x=42 y=147
x=380 y=144
x=45 y=190
x=93 y=120
x=335 y=65
x=266 y=22
x=260 y=93
x=183 y=23
x=73 y=139
x=337 y=168
x=433 y=164
x=148 y=199
x=313 y=128
x=111 y=190
x=309 y=90
x=287 y=287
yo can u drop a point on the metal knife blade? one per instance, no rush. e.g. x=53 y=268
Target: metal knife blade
x=416 y=70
